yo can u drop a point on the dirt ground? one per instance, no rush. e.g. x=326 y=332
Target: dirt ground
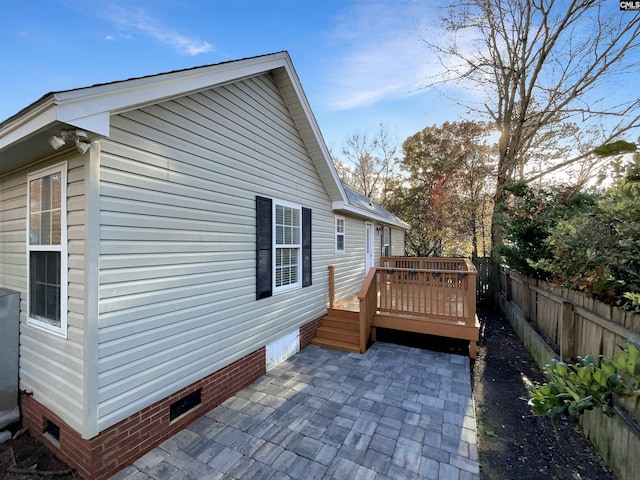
x=25 y=453
x=512 y=443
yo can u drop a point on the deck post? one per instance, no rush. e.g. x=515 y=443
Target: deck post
x=471 y=297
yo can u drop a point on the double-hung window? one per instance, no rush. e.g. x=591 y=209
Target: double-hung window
x=47 y=249
x=283 y=246
x=340 y=231
x=287 y=245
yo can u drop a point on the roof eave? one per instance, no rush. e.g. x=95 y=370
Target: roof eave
x=344 y=207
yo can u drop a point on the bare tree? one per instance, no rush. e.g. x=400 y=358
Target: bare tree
x=366 y=162
x=538 y=64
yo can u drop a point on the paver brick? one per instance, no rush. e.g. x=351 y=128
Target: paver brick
x=364 y=473
x=224 y=459
x=395 y=471
x=150 y=460
x=383 y=444
x=429 y=469
x=392 y=413
x=407 y=454
x=163 y=471
x=376 y=461
x=335 y=435
x=342 y=469
x=283 y=461
x=308 y=447
x=326 y=454
x=448 y=472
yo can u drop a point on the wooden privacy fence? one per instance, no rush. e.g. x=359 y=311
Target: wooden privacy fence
x=573 y=323
x=483 y=278
x=576 y=325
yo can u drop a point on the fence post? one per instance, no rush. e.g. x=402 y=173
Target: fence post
x=507 y=286
x=526 y=299
x=567 y=332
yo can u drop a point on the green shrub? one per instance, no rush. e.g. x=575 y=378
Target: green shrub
x=529 y=220
x=583 y=241
x=598 y=251
x=588 y=384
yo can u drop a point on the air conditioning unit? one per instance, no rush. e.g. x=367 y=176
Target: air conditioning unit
x=9 y=353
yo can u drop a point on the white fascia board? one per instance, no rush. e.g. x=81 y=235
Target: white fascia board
x=345 y=207
x=97 y=123
x=313 y=124
x=90 y=108
x=27 y=124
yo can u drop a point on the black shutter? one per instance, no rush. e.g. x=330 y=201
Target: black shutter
x=264 y=263
x=306 y=247
x=390 y=254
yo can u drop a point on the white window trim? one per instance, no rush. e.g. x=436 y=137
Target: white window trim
x=62 y=248
x=298 y=284
x=342 y=234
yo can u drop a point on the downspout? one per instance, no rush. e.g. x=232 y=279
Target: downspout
x=91 y=271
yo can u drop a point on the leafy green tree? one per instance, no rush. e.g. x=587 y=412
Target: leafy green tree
x=530 y=219
x=598 y=251
x=444 y=187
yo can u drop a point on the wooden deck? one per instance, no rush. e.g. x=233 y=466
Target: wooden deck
x=405 y=294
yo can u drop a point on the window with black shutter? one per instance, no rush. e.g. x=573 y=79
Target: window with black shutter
x=283 y=246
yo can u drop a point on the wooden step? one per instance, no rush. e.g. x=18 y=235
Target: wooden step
x=340 y=334
x=339 y=330
x=343 y=323
x=336 y=345
x=333 y=312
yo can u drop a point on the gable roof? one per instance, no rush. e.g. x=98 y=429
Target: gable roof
x=24 y=136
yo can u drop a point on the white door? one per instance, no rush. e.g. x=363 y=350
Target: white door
x=369 y=261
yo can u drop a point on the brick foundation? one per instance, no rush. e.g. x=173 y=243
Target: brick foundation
x=308 y=332
x=116 y=447
x=119 y=445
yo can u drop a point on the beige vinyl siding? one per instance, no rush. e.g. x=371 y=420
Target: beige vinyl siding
x=397 y=242
x=349 y=266
x=50 y=366
x=13 y=204
x=177 y=226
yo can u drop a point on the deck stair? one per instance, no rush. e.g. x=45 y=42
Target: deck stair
x=339 y=330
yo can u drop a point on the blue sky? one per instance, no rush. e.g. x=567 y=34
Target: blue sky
x=361 y=62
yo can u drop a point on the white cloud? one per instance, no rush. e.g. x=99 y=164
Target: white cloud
x=138 y=20
x=383 y=54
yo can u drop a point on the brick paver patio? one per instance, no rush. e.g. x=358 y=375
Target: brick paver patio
x=393 y=413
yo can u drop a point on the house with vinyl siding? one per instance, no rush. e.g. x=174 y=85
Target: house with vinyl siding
x=170 y=238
